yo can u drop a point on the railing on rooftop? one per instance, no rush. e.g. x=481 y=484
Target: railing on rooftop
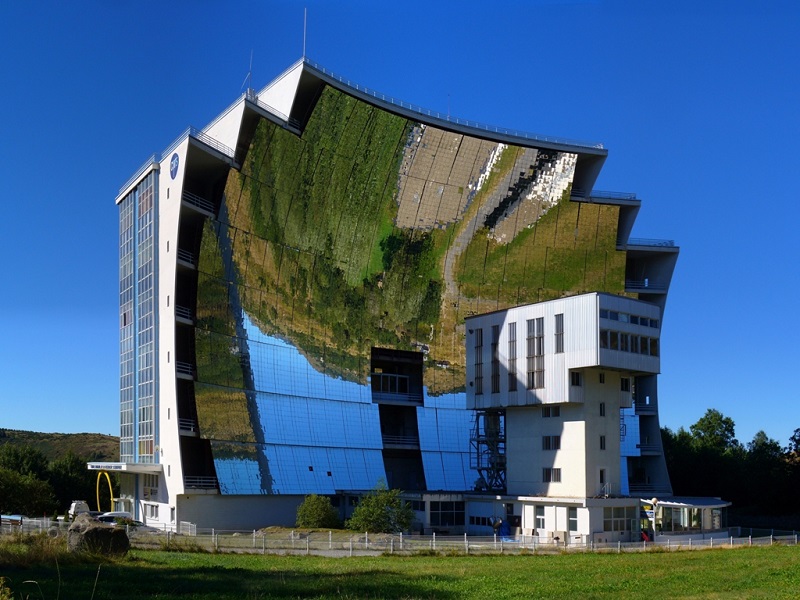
x=651 y=242
x=184 y=368
x=446 y=117
x=612 y=195
x=252 y=97
x=183 y=312
x=189 y=131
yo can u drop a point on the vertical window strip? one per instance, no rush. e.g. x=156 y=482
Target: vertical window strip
x=495 y=359
x=559 y=333
x=512 y=357
x=479 y=361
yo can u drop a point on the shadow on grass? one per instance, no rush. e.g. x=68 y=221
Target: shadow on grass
x=135 y=579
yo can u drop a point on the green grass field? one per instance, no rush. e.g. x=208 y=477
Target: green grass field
x=766 y=572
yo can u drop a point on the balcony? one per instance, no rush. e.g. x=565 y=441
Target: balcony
x=185 y=370
x=184 y=315
x=400 y=442
x=195 y=202
x=188 y=427
x=391 y=388
x=186 y=259
x=645 y=285
x=200 y=482
x=649 y=449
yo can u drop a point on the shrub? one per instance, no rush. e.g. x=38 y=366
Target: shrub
x=317 y=512
x=381 y=511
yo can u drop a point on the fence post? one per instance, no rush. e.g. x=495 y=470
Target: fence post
x=264 y=544
x=330 y=540
x=731 y=541
x=433 y=540
x=712 y=542
x=495 y=541
x=466 y=544
x=667 y=544
x=690 y=543
x=391 y=546
x=401 y=540
x=216 y=541
x=254 y=538
x=750 y=539
x=351 y=546
x=366 y=540
x=619 y=546
x=770 y=539
x=308 y=544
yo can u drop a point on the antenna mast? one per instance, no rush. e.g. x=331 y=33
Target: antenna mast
x=305 y=18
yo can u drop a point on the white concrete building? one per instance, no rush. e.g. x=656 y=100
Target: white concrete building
x=560 y=374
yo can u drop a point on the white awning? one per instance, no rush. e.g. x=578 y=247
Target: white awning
x=124 y=467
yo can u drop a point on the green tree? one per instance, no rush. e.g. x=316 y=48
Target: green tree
x=24 y=494
x=25 y=460
x=317 y=512
x=381 y=511
x=71 y=480
x=716 y=432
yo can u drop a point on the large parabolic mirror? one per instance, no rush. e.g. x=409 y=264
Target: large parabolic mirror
x=368 y=231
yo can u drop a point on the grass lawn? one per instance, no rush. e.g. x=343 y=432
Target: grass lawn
x=769 y=572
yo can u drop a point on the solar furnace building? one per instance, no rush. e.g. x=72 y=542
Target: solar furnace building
x=294 y=283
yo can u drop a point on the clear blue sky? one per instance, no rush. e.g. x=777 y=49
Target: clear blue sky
x=699 y=108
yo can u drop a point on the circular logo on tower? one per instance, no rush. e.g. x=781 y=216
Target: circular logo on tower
x=173 y=165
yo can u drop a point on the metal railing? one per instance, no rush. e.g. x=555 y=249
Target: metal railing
x=183 y=312
x=644 y=284
x=447 y=118
x=154 y=158
x=198 y=201
x=252 y=97
x=408 y=441
x=186 y=256
x=187 y=425
x=184 y=368
x=651 y=242
x=200 y=482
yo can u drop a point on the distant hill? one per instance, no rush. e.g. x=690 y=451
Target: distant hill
x=90 y=446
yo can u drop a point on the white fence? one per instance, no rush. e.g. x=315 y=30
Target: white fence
x=343 y=543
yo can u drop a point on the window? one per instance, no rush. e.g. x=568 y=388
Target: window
x=602 y=409
x=559 y=333
x=653 y=346
x=572 y=517
x=551 y=442
x=550 y=475
x=625 y=384
x=479 y=361
x=495 y=359
x=539 y=514
x=151 y=511
x=551 y=411
x=447 y=514
x=619 y=518
x=535 y=353
x=602 y=476
x=512 y=357
x=418 y=505
x=602 y=377
x=602 y=442
x=172 y=514
x=575 y=378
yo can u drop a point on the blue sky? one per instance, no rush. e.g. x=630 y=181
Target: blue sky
x=697 y=106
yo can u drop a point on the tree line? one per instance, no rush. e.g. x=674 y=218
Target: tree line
x=32 y=485
x=761 y=478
